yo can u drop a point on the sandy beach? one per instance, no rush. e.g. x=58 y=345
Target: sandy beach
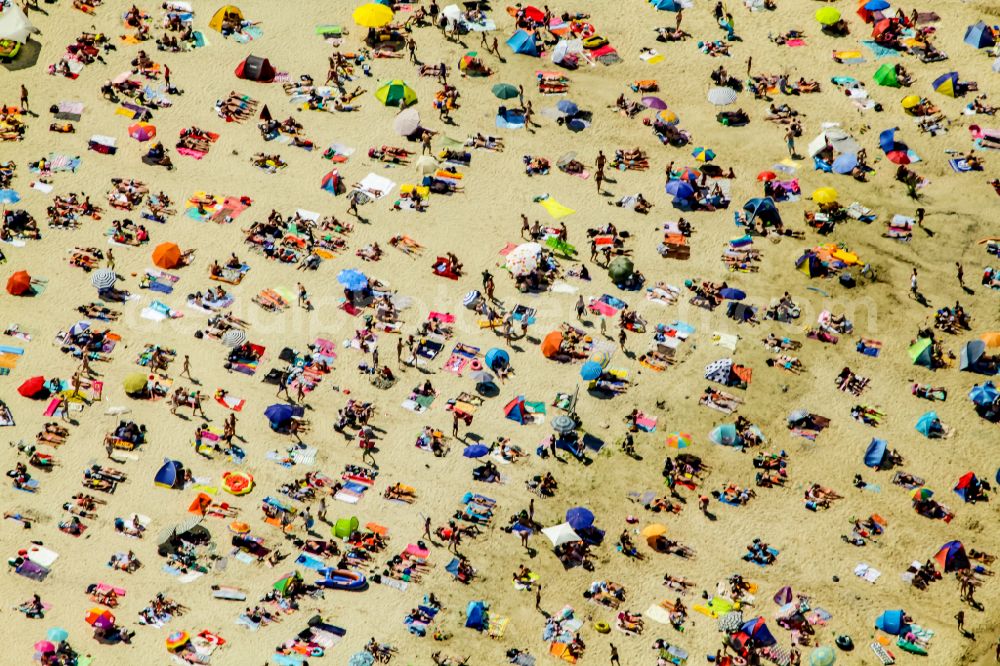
x=476 y=224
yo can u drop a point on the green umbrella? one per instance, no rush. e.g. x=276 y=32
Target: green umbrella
x=505 y=91
x=135 y=382
x=396 y=93
x=620 y=269
x=886 y=76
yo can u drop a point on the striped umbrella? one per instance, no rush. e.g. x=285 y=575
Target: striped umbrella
x=234 y=337
x=471 y=298
x=720 y=96
x=104 y=278
x=679 y=440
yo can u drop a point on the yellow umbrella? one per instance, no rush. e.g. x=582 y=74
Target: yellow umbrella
x=910 y=101
x=372 y=15
x=827 y=15
x=824 y=195
x=135 y=382
x=667 y=116
x=992 y=339
x=654 y=530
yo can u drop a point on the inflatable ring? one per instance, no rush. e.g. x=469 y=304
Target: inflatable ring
x=739 y=661
x=586 y=30
x=602 y=627
x=844 y=642
x=237 y=483
x=316 y=652
x=476 y=364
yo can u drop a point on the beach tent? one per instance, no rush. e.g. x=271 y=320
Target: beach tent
x=332 y=183
x=920 y=352
x=875 y=453
x=891 y=622
x=142 y=131
x=719 y=371
x=947 y=84
x=475 y=615
x=667 y=5
x=928 y=423
x=725 y=435
x=215 y=23
x=171 y=474
x=971 y=358
x=520 y=410
x=968 y=486
x=345 y=526
x=979 y=36
x=763 y=208
x=167 y=255
x=886 y=76
x=496 y=356
x=19 y=284
x=836 y=138
x=810 y=264
x=255 y=68
x=523 y=42
x=396 y=93
x=952 y=557
x=984 y=394
x=551 y=343
x=757 y=630
x=561 y=534
x=14 y=25
x=287 y=584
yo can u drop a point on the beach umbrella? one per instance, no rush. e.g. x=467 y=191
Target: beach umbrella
x=667 y=5
x=720 y=96
x=679 y=440
x=57 y=634
x=798 y=415
x=9 y=197
x=361 y=659
x=372 y=15
x=590 y=371
x=602 y=357
x=14 y=24
x=981 y=394
x=620 y=269
x=234 y=337
x=142 y=131
x=652 y=102
x=927 y=423
x=406 y=122
x=476 y=451
x=471 y=298
x=565 y=159
x=732 y=294
x=176 y=640
x=426 y=165
x=100 y=618
x=886 y=76
x=947 y=84
x=396 y=93
x=45 y=647
x=690 y=175
x=352 y=279
x=765 y=176
x=680 y=189
x=824 y=195
x=237 y=527
x=481 y=377
x=827 y=15
x=135 y=382
x=505 y=91
x=580 y=518
x=822 y=656
x=922 y=494
x=844 y=164
x=654 y=530
x=703 y=154
x=898 y=157
x=561 y=534
x=876 y=5
x=167 y=255
x=668 y=117
x=523 y=259
x=279 y=413
x=992 y=338
x=19 y=283
x=32 y=387
x=563 y=424
x=910 y=101
x=568 y=107
x=104 y=278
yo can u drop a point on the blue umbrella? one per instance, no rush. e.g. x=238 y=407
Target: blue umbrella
x=279 y=413
x=476 y=451
x=361 y=659
x=845 y=163
x=876 y=5
x=984 y=394
x=567 y=107
x=496 y=355
x=680 y=189
x=580 y=518
x=887 y=140
x=352 y=279
x=57 y=634
x=927 y=423
x=9 y=196
x=667 y=5
x=591 y=370
x=732 y=294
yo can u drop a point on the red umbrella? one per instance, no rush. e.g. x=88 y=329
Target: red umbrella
x=32 y=387
x=534 y=14
x=19 y=283
x=100 y=618
x=898 y=157
x=767 y=176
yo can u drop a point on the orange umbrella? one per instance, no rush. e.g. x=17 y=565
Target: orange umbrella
x=167 y=255
x=550 y=345
x=99 y=617
x=992 y=339
x=19 y=283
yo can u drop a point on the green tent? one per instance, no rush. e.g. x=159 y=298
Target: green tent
x=920 y=352
x=886 y=76
x=288 y=584
x=396 y=93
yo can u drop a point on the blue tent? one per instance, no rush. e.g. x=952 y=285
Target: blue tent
x=971 y=357
x=580 y=518
x=667 y=5
x=171 y=474
x=757 y=630
x=845 y=163
x=764 y=208
x=496 y=356
x=979 y=36
x=887 y=140
x=516 y=410
x=523 y=42
x=928 y=424
x=875 y=454
x=591 y=370
x=952 y=557
x=984 y=394
x=725 y=435
x=475 y=615
x=891 y=622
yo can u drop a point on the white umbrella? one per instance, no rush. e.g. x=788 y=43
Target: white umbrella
x=721 y=96
x=426 y=165
x=14 y=25
x=523 y=259
x=407 y=122
x=104 y=278
x=234 y=337
x=561 y=534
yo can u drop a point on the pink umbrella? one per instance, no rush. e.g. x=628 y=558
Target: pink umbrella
x=45 y=647
x=142 y=131
x=653 y=102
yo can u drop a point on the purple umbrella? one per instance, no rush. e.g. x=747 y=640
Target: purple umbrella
x=654 y=103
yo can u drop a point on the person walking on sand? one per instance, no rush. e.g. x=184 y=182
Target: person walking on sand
x=960 y=620
x=400 y=345
x=24 y=98
x=790 y=143
x=186 y=369
x=427 y=528
x=913 y=283
x=615 y=661
x=109 y=259
x=85 y=368
x=581 y=307
x=538 y=598
x=454 y=424
x=960 y=274
x=425 y=140
x=599 y=179
x=196 y=407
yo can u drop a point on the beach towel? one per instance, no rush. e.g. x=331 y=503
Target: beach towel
x=959 y=165
x=879 y=50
